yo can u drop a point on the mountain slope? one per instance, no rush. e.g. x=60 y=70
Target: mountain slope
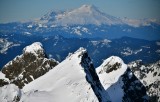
x=119 y=82
x=84 y=15
x=10 y=93
x=89 y=14
x=28 y=66
x=72 y=80
x=149 y=75
x=83 y=22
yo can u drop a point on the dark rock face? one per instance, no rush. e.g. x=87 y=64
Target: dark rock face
x=93 y=79
x=123 y=84
x=10 y=93
x=110 y=68
x=3 y=82
x=28 y=66
x=134 y=90
x=149 y=76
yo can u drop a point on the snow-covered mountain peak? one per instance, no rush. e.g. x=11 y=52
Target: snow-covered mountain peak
x=111 y=69
x=28 y=66
x=35 y=48
x=87 y=9
x=88 y=14
x=74 y=79
x=84 y=15
x=81 y=50
x=77 y=54
x=119 y=81
x=111 y=64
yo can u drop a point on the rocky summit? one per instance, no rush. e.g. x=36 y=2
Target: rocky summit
x=25 y=68
x=119 y=82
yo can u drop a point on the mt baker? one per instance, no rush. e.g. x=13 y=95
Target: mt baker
x=85 y=22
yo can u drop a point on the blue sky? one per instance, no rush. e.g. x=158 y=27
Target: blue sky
x=15 y=10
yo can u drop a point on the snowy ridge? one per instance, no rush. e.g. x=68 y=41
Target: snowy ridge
x=119 y=81
x=67 y=80
x=74 y=79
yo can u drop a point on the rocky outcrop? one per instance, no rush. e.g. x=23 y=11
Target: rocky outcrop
x=3 y=80
x=149 y=75
x=32 y=64
x=119 y=82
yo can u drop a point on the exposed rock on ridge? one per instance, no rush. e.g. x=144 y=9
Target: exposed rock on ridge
x=32 y=64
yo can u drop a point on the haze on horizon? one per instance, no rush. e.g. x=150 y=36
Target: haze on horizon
x=18 y=10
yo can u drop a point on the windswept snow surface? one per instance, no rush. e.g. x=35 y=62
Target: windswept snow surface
x=66 y=82
x=9 y=93
x=112 y=81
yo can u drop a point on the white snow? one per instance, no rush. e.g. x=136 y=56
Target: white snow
x=40 y=25
x=27 y=33
x=104 y=42
x=150 y=77
x=89 y=14
x=128 y=51
x=95 y=42
x=77 y=31
x=86 y=14
x=53 y=25
x=30 y=26
x=158 y=43
x=158 y=51
x=33 y=48
x=8 y=93
x=112 y=82
x=5 y=45
x=85 y=30
x=65 y=82
x=2 y=76
x=137 y=22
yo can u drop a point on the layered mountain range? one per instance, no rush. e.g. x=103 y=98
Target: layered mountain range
x=74 y=79
x=85 y=22
x=95 y=72
x=89 y=14
x=91 y=28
